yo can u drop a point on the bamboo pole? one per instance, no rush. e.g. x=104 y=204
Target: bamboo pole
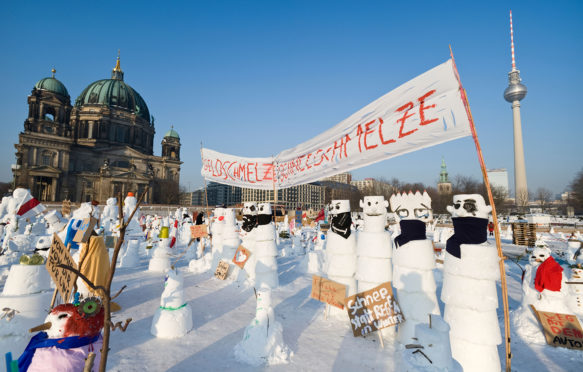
x=494 y=217
x=206 y=199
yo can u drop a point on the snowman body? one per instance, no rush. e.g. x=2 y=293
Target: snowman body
x=173 y=319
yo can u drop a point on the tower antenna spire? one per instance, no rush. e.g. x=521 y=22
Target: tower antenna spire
x=512 y=43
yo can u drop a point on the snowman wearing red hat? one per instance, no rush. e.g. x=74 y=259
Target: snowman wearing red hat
x=72 y=332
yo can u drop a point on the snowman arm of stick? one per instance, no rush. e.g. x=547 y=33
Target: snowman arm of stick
x=89 y=282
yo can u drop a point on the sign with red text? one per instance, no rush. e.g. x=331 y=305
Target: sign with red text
x=563 y=330
x=423 y=112
x=198 y=231
x=328 y=291
x=241 y=256
x=372 y=310
x=85 y=229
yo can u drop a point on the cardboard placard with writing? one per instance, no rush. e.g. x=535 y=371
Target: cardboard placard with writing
x=63 y=279
x=85 y=229
x=198 y=231
x=222 y=270
x=563 y=330
x=241 y=256
x=372 y=310
x=328 y=291
x=66 y=207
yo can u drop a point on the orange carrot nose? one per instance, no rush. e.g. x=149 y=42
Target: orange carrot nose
x=42 y=327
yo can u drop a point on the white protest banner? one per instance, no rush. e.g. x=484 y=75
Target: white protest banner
x=255 y=173
x=425 y=111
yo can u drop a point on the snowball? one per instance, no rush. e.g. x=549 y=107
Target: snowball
x=26 y=279
x=472 y=266
x=338 y=245
x=411 y=280
x=479 y=327
x=342 y=265
x=172 y=323
x=476 y=294
x=374 y=269
x=374 y=244
x=416 y=254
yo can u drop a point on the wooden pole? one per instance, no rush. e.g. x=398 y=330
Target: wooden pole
x=206 y=199
x=503 y=283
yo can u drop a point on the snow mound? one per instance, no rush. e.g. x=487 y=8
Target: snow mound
x=256 y=349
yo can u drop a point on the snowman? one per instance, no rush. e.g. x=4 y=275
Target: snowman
x=248 y=231
x=469 y=286
x=217 y=227
x=413 y=263
x=576 y=299
x=160 y=261
x=374 y=247
x=72 y=332
x=109 y=216
x=263 y=338
x=341 y=250
x=265 y=249
x=173 y=318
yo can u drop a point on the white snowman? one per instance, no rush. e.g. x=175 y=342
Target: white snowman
x=265 y=249
x=413 y=263
x=173 y=318
x=469 y=286
x=248 y=232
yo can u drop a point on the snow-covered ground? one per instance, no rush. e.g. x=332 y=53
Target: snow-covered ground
x=223 y=309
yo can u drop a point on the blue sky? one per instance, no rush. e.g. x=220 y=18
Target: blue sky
x=252 y=78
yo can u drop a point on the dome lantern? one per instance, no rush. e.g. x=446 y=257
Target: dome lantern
x=117 y=73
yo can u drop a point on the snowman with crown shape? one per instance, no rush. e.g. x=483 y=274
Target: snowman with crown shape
x=413 y=263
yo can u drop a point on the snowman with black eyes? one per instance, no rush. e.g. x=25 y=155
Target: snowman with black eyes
x=265 y=249
x=248 y=237
x=470 y=272
x=413 y=263
x=341 y=249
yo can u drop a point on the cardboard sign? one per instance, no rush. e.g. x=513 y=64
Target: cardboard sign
x=562 y=330
x=66 y=207
x=64 y=279
x=328 y=291
x=198 y=231
x=372 y=310
x=241 y=256
x=222 y=270
x=85 y=229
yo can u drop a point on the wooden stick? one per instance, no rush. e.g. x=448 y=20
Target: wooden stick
x=503 y=283
x=326 y=312
x=89 y=362
x=54 y=298
x=107 y=291
x=380 y=334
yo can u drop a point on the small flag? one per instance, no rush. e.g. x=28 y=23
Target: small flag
x=30 y=207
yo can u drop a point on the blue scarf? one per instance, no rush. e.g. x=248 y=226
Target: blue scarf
x=467 y=230
x=410 y=230
x=41 y=340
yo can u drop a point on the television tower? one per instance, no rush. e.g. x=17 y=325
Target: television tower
x=514 y=93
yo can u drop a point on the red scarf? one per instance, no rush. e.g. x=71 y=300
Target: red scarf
x=548 y=276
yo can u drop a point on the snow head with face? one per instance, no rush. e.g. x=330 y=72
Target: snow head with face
x=469 y=205
x=264 y=208
x=173 y=295
x=230 y=218
x=219 y=214
x=374 y=205
x=250 y=209
x=339 y=206
x=67 y=320
x=412 y=206
x=539 y=255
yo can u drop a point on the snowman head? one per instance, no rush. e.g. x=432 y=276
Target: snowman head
x=412 y=206
x=264 y=208
x=469 y=205
x=539 y=255
x=250 y=208
x=339 y=206
x=230 y=216
x=111 y=202
x=374 y=205
x=576 y=273
x=172 y=281
x=219 y=214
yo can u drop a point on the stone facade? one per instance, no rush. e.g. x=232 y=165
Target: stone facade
x=101 y=146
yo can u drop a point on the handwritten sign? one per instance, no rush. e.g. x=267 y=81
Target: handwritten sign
x=374 y=309
x=85 y=229
x=241 y=256
x=66 y=207
x=423 y=112
x=222 y=270
x=562 y=330
x=328 y=291
x=64 y=279
x=198 y=231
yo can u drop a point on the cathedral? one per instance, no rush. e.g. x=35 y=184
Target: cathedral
x=95 y=149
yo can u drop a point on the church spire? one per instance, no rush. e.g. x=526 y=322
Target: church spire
x=443 y=174
x=117 y=73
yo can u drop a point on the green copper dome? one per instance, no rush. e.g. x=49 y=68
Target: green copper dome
x=114 y=93
x=52 y=85
x=172 y=133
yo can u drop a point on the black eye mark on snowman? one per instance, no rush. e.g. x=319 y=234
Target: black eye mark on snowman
x=469 y=205
x=252 y=208
x=63 y=316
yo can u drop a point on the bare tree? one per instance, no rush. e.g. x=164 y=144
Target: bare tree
x=499 y=195
x=543 y=197
x=576 y=195
x=522 y=198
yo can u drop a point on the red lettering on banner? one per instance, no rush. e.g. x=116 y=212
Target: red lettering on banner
x=359 y=133
x=249 y=173
x=300 y=163
x=422 y=108
x=408 y=106
x=229 y=170
x=368 y=131
x=347 y=138
x=381 y=133
x=256 y=173
x=308 y=161
x=268 y=175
